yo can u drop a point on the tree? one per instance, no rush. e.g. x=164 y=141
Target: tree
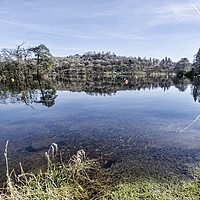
x=43 y=56
x=183 y=65
x=196 y=64
x=197 y=57
x=18 y=55
x=7 y=55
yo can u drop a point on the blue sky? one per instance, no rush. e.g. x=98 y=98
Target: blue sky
x=142 y=28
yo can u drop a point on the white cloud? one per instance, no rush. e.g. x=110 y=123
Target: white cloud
x=126 y=26
x=125 y=35
x=12 y=23
x=181 y=12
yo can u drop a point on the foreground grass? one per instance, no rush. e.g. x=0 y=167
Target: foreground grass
x=61 y=181
x=185 y=190
x=72 y=181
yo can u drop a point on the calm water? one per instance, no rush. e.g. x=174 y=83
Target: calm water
x=135 y=132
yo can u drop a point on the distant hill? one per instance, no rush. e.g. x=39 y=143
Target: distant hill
x=107 y=62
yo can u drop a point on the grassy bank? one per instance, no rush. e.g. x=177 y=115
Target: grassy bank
x=144 y=189
x=83 y=178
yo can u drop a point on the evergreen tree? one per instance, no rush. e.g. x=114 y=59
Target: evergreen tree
x=182 y=66
x=198 y=56
x=196 y=64
x=43 y=56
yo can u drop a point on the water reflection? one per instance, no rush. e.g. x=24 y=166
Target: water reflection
x=196 y=90
x=28 y=92
x=43 y=91
x=134 y=132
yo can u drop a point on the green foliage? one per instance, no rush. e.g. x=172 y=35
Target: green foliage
x=72 y=181
x=60 y=181
x=154 y=190
x=23 y=58
x=197 y=57
x=44 y=57
x=196 y=64
x=25 y=86
x=182 y=66
x=48 y=93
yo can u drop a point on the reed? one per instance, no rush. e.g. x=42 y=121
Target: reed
x=73 y=180
x=60 y=181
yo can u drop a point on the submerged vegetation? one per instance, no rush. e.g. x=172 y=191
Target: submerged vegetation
x=60 y=181
x=81 y=178
x=32 y=75
x=149 y=189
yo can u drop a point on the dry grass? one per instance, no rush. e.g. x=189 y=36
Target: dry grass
x=73 y=180
x=60 y=181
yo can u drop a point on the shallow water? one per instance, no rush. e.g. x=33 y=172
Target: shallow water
x=133 y=132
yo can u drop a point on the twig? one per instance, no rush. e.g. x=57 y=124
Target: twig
x=7 y=173
x=189 y=124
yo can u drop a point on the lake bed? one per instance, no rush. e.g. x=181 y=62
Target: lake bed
x=133 y=133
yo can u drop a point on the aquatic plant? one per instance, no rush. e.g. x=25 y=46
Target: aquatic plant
x=72 y=181
x=60 y=181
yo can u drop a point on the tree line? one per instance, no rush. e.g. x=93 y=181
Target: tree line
x=21 y=63
x=37 y=60
x=21 y=70
x=93 y=62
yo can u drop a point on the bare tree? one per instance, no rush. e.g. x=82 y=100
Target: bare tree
x=18 y=54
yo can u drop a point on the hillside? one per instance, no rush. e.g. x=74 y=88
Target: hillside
x=107 y=62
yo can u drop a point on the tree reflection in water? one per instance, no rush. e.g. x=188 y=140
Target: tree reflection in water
x=28 y=92
x=196 y=90
x=34 y=89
